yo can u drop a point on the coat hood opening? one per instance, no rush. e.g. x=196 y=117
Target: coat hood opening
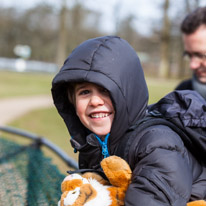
x=112 y=63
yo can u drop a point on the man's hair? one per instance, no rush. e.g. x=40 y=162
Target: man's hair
x=193 y=20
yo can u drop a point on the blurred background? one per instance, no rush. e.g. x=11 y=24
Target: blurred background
x=36 y=36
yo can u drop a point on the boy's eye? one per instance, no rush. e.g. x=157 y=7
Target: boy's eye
x=105 y=91
x=83 y=92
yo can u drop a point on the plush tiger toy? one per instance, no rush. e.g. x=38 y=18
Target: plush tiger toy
x=91 y=189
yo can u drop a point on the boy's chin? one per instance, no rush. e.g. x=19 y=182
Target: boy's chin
x=99 y=130
x=101 y=134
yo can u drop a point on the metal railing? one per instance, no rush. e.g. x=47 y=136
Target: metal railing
x=39 y=141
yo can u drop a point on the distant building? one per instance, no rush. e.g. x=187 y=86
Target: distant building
x=21 y=65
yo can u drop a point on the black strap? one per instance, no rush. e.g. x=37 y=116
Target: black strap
x=82 y=171
x=126 y=141
x=124 y=146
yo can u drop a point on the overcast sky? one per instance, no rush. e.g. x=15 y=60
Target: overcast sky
x=145 y=11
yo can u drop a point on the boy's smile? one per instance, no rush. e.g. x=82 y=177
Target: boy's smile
x=99 y=115
x=94 y=108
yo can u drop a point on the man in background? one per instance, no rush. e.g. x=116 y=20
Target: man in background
x=193 y=29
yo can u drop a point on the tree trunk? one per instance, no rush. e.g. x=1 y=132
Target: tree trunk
x=164 y=70
x=61 y=47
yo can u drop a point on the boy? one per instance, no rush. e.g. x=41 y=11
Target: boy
x=101 y=92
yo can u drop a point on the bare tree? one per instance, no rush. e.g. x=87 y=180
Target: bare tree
x=51 y=34
x=61 y=48
x=164 y=70
x=126 y=30
x=35 y=27
x=116 y=12
x=190 y=5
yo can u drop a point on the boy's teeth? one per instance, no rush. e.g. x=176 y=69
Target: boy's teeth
x=99 y=115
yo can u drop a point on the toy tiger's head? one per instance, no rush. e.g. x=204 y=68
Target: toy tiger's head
x=78 y=190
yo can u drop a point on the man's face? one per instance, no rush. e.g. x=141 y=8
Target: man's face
x=94 y=108
x=195 y=47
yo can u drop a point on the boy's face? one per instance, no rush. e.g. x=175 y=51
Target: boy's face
x=94 y=107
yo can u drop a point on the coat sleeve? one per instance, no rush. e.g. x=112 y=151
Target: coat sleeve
x=162 y=175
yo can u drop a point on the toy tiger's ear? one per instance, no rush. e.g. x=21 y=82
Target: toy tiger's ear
x=197 y=203
x=117 y=171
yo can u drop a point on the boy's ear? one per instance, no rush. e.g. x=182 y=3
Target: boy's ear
x=71 y=94
x=77 y=113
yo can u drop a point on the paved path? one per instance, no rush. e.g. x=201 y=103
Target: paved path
x=13 y=108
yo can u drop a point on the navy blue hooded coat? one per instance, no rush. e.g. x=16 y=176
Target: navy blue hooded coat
x=164 y=171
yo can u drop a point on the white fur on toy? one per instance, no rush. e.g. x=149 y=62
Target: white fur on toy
x=99 y=195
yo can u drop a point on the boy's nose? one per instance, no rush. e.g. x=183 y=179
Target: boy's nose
x=96 y=100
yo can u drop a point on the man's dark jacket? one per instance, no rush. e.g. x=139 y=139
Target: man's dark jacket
x=164 y=171
x=185 y=85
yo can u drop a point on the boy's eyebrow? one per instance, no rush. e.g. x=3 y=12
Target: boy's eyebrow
x=80 y=86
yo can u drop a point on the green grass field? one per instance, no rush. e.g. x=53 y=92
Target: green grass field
x=23 y=84
x=47 y=122
x=159 y=87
